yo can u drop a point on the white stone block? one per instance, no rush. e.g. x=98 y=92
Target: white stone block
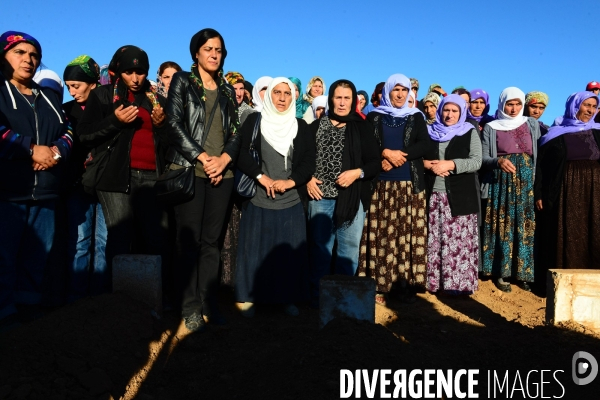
x=346 y=296
x=574 y=295
x=139 y=275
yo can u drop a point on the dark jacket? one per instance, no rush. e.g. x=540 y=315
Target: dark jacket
x=550 y=170
x=76 y=168
x=462 y=189
x=22 y=125
x=99 y=125
x=416 y=144
x=186 y=116
x=370 y=159
x=303 y=158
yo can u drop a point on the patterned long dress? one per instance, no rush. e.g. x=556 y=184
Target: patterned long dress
x=509 y=227
x=393 y=248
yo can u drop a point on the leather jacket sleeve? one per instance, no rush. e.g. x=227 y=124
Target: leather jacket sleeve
x=179 y=135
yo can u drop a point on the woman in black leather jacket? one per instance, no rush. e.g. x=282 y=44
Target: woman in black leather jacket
x=211 y=144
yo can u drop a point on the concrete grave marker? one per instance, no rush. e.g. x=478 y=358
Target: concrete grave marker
x=139 y=275
x=346 y=296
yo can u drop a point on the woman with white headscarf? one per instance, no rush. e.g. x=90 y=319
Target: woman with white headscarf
x=393 y=248
x=272 y=249
x=259 y=90
x=319 y=106
x=510 y=152
x=316 y=87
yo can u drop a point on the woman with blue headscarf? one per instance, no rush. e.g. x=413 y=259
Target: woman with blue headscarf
x=567 y=188
x=452 y=190
x=393 y=246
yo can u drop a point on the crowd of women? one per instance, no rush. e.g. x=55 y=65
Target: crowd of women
x=285 y=186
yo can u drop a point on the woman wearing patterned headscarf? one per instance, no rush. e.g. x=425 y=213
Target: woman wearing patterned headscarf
x=567 y=192
x=510 y=146
x=316 y=87
x=86 y=227
x=236 y=80
x=430 y=104
x=164 y=75
x=535 y=105
x=35 y=143
x=272 y=250
x=393 y=245
x=195 y=96
x=452 y=191
x=128 y=117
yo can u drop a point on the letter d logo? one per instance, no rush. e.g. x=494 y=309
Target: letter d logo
x=580 y=368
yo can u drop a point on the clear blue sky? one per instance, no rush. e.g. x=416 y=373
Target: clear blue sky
x=533 y=45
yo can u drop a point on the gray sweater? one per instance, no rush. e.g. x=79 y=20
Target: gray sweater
x=490 y=150
x=463 y=165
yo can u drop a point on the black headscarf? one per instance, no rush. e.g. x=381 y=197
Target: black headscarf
x=82 y=69
x=348 y=201
x=127 y=58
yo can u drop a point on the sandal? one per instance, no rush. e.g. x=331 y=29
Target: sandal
x=380 y=299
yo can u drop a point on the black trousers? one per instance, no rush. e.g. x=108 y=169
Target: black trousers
x=199 y=225
x=136 y=221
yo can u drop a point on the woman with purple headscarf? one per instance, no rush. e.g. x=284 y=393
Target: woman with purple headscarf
x=451 y=180
x=567 y=188
x=510 y=154
x=479 y=107
x=393 y=245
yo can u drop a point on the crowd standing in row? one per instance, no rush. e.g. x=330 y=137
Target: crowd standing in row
x=285 y=187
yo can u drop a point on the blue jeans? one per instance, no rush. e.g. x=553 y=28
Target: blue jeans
x=86 y=237
x=26 y=237
x=322 y=236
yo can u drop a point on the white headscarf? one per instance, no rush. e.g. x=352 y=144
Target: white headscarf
x=49 y=79
x=279 y=128
x=411 y=94
x=503 y=121
x=319 y=101
x=260 y=83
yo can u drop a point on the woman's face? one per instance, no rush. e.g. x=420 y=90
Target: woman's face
x=209 y=55
x=80 y=90
x=342 y=101
x=297 y=91
x=587 y=109
x=465 y=97
x=248 y=95
x=536 y=110
x=239 y=92
x=513 y=107
x=398 y=96
x=430 y=110
x=411 y=102
x=134 y=79
x=166 y=77
x=262 y=92
x=450 y=114
x=316 y=89
x=319 y=112
x=362 y=102
x=281 y=96
x=477 y=107
x=21 y=61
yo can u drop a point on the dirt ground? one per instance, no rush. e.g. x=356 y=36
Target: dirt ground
x=111 y=347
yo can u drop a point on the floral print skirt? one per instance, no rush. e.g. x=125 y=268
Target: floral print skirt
x=393 y=248
x=509 y=226
x=452 y=249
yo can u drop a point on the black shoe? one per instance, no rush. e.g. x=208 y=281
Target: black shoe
x=524 y=286
x=195 y=323
x=504 y=287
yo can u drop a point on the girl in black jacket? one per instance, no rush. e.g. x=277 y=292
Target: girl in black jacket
x=203 y=129
x=128 y=116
